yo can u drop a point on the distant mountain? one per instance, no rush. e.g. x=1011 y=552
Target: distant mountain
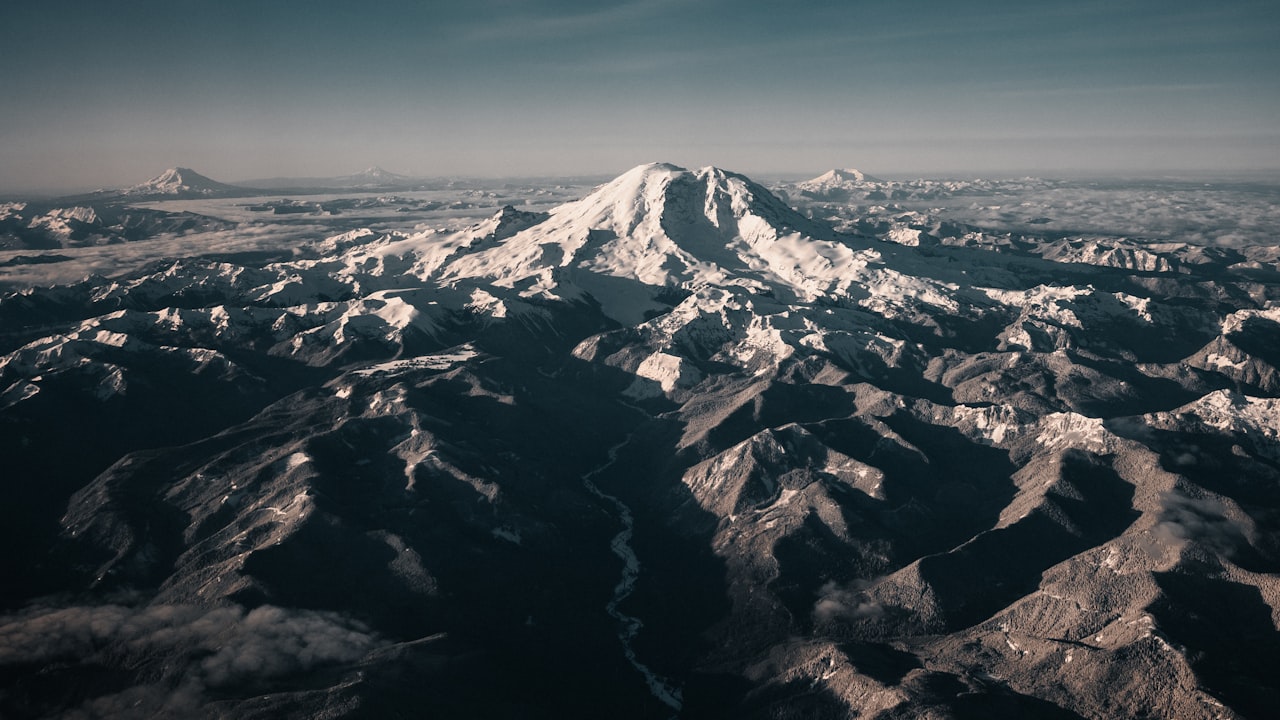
x=184 y=183
x=835 y=178
x=838 y=185
x=107 y=217
x=181 y=183
x=177 y=183
x=373 y=178
x=105 y=221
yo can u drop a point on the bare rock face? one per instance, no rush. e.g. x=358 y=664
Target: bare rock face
x=671 y=449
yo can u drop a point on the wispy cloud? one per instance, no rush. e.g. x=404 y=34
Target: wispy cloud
x=181 y=652
x=525 y=22
x=1102 y=90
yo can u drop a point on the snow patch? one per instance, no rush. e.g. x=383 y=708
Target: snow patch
x=1059 y=431
x=994 y=425
x=295 y=461
x=668 y=371
x=436 y=361
x=1235 y=322
x=1230 y=413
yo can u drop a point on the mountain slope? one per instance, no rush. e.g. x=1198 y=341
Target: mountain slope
x=665 y=227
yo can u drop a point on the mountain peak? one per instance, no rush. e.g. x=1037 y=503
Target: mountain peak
x=376 y=172
x=839 y=176
x=179 y=176
x=181 y=182
x=371 y=177
x=665 y=226
x=656 y=198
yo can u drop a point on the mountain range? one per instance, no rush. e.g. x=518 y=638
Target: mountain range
x=179 y=183
x=677 y=448
x=372 y=178
x=106 y=217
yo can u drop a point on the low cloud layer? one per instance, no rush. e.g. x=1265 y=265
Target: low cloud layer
x=1196 y=213
x=1227 y=214
x=1205 y=521
x=845 y=602
x=182 y=651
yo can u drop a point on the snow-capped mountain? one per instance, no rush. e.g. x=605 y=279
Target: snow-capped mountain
x=372 y=178
x=839 y=185
x=376 y=176
x=181 y=182
x=666 y=227
x=676 y=445
x=839 y=178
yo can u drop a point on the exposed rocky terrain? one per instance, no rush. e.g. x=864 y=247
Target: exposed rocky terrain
x=677 y=448
x=45 y=225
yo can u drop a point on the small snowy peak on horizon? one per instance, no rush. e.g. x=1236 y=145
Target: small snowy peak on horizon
x=370 y=178
x=839 y=177
x=377 y=173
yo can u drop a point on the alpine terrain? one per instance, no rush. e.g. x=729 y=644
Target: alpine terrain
x=674 y=449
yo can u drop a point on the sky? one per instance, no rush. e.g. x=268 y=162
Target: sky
x=110 y=94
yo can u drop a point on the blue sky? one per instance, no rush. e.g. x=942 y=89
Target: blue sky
x=104 y=94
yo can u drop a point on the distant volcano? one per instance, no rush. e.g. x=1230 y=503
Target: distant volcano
x=377 y=176
x=180 y=182
x=838 y=184
x=372 y=178
x=840 y=177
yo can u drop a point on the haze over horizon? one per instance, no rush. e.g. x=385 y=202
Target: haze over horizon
x=108 y=96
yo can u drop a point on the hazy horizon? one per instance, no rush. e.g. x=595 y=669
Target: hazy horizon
x=107 y=96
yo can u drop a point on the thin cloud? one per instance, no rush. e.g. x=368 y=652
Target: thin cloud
x=847 y=601
x=525 y=26
x=1201 y=520
x=183 y=651
x=1100 y=90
